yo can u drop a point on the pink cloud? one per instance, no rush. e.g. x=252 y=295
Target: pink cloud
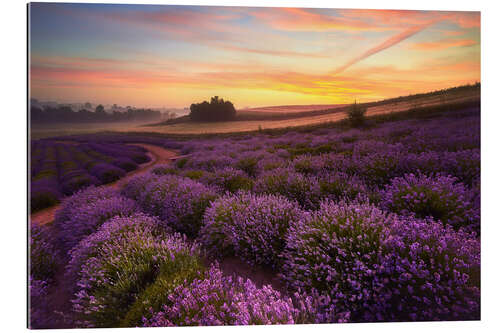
x=299 y=19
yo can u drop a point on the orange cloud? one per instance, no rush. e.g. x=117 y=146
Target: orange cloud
x=365 y=83
x=443 y=44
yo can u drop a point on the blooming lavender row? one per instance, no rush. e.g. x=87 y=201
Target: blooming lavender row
x=122 y=139
x=44 y=262
x=222 y=300
x=179 y=201
x=439 y=197
x=83 y=213
x=116 y=264
x=253 y=227
x=43 y=254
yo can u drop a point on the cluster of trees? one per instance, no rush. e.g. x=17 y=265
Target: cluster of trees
x=65 y=114
x=216 y=110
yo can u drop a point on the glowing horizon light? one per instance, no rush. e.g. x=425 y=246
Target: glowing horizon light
x=165 y=55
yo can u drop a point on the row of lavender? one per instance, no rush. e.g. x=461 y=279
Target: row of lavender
x=59 y=169
x=373 y=225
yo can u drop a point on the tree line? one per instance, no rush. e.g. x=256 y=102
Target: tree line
x=65 y=114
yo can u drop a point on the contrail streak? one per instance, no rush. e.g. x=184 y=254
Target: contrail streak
x=386 y=44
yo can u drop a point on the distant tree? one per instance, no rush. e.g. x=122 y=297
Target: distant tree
x=88 y=105
x=99 y=109
x=216 y=110
x=356 y=114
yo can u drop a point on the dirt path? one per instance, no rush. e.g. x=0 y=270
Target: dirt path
x=259 y=275
x=158 y=156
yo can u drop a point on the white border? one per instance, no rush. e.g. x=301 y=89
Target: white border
x=13 y=191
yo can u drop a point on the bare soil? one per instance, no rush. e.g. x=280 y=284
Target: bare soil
x=259 y=275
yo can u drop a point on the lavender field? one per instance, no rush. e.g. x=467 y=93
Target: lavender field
x=327 y=224
x=60 y=168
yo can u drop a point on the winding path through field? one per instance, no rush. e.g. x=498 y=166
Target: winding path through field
x=158 y=155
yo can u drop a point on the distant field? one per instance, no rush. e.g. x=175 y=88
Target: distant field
x=40 y=131
x=272 y=117
x=336 y=114
x=291 y=108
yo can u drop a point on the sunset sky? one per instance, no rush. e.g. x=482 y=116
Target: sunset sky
x=154 y=56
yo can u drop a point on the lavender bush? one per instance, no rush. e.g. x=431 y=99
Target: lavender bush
x=223 y=300
x=122 y=267
x=136 y=186
x=341 y=186
x=83 y=213
x=440 y=197
x=38 y=309
x=336 y=251
x=116 y=229
x=433 y=273
x=228 y=180
x=179 y=201
x=373 y=266
x=44 y=256
x=295 y=186
x=250 y=226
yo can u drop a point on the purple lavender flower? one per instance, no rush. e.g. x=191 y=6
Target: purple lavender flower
x=179 y=201
x=83 y=197
x=430 y=272
x=440 y=197
x=341 y=186
x=116 y=229
x=118 y=263
x=44 y=257
x=336 y=251
x=38 y=316
x=373 y=266
x=135 y=186
x=291 y=184
x=106 y=173
x=90 y=211
x=228 y=180
x=251 y=226
x=223 y=300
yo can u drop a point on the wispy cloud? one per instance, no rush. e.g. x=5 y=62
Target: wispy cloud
x=385 y=45
x=400 y=18
x=300 y=19
x=443 y=44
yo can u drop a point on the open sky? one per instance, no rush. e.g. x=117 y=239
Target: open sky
x=153 y=56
